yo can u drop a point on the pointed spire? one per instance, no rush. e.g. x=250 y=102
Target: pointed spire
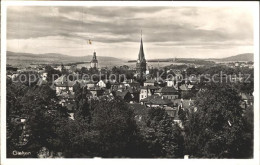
x=141 y=51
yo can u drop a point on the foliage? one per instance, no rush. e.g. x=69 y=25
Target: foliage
x=216 y=129
x=42 y=112
x=163 y=136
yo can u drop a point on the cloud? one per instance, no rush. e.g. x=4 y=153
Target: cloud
x=207 y=27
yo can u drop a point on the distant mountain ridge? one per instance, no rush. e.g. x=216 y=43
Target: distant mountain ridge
x=23 y=59
x=239 y=57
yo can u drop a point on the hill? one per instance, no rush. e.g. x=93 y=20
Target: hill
x=240 y=57
x=25 y=59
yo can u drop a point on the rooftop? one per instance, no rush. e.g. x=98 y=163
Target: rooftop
x=166 y=90
x=157 y=100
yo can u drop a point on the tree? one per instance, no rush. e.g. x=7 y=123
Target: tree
x=112 y=132
x=108 y=85
x=50 y=73
x=14 y=94
x=42 y=112
x=163 y=136
x=114 y=122
x=216 y=129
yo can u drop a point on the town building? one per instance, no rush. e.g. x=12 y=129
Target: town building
x=94 y=61
x=102 y=84
x=63 y=84
x=156 y=101
x=150 y=82
x=90 y=84
x=131 y=83
x=168 y=92
x=147 y=91
x=95 y=92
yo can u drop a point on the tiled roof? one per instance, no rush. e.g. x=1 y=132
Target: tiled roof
x=121 y=94
x=94 y=88
x=185 y=103
x=166 y=90
x=185 y=87
x=130 y=82
x=63 y=82
x=246 y=96
x=149 y=87
x=64 y=94
x=150 y=81
x=157 y=100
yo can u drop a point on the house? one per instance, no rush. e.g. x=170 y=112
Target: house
x=184 y=104
x=131 y=83
x=108 y=94
x=156 y=101
x=114 y=85
x=10 y=68
x=134 y=93
x=13 y=76
x=168 y=92
x=102 y=84
x=173 y=112
x=147 y=91
x=171 y=82
x=187 y=90
x=90 y=84
x=186 y=87
x=121 y=87
x=66 y=100
x=150 y=82
x=63 y=84
x=247 y=99
x=96 y=92
x=43 y=74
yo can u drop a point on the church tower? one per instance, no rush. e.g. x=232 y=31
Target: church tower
x=94 y=61
x=141 y=62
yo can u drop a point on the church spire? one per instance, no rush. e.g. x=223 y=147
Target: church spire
x=141 y=62
x=141 y=51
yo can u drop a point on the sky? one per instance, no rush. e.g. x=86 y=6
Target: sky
x=167 y=32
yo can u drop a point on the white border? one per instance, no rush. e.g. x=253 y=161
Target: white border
x=4 y=161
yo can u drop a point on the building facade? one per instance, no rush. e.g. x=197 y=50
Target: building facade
x=94 y=61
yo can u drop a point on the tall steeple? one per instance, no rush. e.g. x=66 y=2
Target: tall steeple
x=141 y=62
x=141 y=52
x=141 y=57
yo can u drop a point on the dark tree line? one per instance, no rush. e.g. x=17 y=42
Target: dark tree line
x=217 y=128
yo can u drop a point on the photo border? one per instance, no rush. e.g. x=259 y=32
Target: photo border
x=28 y=161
